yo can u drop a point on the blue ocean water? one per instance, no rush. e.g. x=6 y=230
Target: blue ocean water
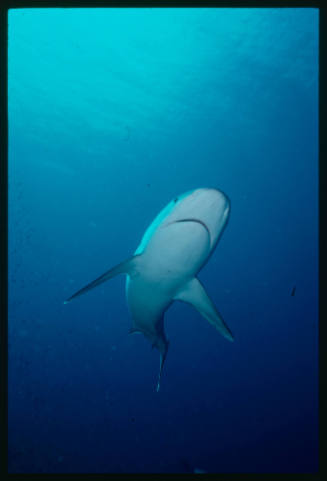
x=112 y=113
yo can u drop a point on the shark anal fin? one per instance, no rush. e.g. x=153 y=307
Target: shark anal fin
x=194 y=293
x=129 y=266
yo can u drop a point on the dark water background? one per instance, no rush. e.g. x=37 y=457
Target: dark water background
x=112 y=114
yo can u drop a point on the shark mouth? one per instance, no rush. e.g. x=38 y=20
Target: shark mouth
x=191 y=219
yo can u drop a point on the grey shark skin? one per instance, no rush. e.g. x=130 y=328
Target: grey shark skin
x=163 y=268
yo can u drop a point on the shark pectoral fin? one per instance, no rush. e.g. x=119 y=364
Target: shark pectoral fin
x=129 y=266
x=194 y=293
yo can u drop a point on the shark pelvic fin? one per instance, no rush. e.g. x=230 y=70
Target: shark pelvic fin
x=194 y=293
x=129 y=266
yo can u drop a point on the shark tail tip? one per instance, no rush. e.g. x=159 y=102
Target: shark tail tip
x=228 y=335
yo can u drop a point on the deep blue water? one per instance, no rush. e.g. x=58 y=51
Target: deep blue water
x=112 y=114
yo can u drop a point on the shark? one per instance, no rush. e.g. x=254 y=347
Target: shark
x=164 y=267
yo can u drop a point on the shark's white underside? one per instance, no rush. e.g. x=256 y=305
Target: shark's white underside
x=164 y=267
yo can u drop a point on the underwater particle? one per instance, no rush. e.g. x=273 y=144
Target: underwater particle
x=148 y=185
x=199 y=471
x=293 y=291
x=113 y=348
x=60 y=459
x=133 y=420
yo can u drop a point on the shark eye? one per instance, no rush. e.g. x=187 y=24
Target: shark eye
x=176 y=199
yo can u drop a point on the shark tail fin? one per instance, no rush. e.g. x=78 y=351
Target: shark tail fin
x=163 y=354
x=129 y=266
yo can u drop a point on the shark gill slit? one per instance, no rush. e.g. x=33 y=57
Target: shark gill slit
x=198 y=222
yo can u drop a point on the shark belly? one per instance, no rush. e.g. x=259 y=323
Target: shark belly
x=146 y=303
x=173 y=256
x=176 y=252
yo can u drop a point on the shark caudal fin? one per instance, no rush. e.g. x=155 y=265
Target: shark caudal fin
x=157 y=340
x=163 y=355
x=194 y=293
x=129 y=266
